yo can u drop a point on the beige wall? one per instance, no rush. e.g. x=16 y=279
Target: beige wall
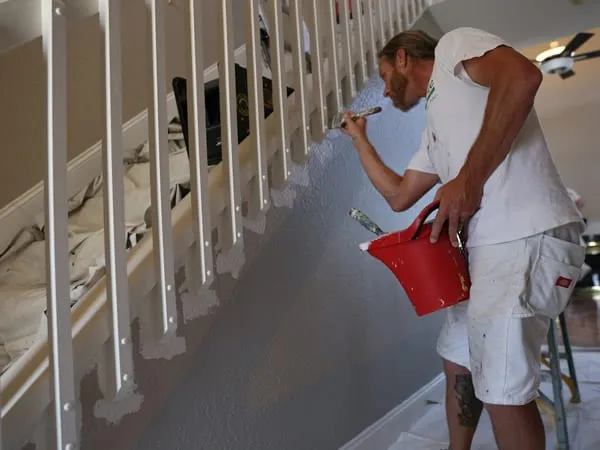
x=574 y=141
x=23 y=86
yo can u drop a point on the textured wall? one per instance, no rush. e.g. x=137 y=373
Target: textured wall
x=312 y=344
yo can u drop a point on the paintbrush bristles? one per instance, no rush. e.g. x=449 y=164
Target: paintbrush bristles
x=339 y=122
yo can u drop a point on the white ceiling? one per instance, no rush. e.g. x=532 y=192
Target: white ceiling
x=521 y=22
x=530 y=26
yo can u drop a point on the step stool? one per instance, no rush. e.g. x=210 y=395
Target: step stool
x=551 y=359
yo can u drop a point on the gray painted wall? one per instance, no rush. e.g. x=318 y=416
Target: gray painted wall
x=313 y=343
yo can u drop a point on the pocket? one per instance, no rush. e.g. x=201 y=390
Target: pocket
x=554 y=275
x=498 y=280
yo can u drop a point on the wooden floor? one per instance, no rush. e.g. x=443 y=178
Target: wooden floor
x=583 y=318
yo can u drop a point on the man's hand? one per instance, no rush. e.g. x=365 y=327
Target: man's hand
x=357 y=130
x=459 y=200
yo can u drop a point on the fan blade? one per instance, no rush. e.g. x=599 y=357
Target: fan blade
x=588 y=55
x=576 y=42
x=567 y=74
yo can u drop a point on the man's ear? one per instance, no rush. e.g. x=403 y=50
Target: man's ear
x=401 y=58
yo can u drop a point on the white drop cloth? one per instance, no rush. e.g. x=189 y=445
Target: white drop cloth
x=22 y=266
x=430 y=432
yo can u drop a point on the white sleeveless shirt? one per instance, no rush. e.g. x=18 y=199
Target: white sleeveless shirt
x=525 y=195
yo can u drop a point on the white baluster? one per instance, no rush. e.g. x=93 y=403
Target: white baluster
x=372 y=41
x=390 y=14
x=407 y=14
x=162 y=231
x=281 y=172
x=200 y=196
x=260 y=200
x=360 y=32
x=348 y=77
x=315 y=26
x=380 y=13
x=332 y=59
x=300 y=72
x=54 y=41
x=401 y=26
x=229 y=129
x=114 y=209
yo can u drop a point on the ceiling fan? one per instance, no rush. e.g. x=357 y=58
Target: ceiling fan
x=559 y=60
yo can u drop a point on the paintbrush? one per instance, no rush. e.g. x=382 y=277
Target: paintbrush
x=338 y=120
x=365 y=221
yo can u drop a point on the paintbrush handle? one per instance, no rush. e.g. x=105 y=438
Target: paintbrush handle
x=339 y=121
x=366 y=112
x=365 y=221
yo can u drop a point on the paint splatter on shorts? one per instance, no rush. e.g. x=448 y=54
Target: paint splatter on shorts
x=517 y=287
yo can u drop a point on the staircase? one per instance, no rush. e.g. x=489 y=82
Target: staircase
x=204 y=232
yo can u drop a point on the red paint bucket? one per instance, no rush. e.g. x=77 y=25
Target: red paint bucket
x=434 y=276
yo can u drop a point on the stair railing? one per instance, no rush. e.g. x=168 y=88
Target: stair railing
x=344 y=39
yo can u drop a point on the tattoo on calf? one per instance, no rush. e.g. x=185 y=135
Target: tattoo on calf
x=470 y=407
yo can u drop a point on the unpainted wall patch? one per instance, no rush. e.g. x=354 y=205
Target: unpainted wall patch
x=196 y=304
x=41 y=435
x=284 y=198
x=150 y=347
x=323 y=152
x=257 y=225
x=114 y=410
x=231 y=261
x=299 y=174
x=164 y=350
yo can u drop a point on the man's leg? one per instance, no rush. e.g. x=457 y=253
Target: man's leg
x=518 y=427
x=505 y=339
x=463 y=409
x=505 y=357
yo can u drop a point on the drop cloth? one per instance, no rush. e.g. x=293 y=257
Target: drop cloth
x=22 y=264
x=430 y=432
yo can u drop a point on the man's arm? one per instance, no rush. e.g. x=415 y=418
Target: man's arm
x=401 y=192
x=513 y=82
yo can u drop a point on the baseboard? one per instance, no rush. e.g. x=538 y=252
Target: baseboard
x=22 y=211
x=383 y=433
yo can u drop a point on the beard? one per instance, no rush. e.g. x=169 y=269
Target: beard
x=398 y=87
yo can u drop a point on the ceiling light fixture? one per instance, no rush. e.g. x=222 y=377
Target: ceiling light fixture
x=554 y=50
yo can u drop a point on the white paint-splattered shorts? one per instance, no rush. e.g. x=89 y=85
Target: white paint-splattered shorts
x=516 y=288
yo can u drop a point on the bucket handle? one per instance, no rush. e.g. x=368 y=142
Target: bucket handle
x=422 y=217
x=417 y=225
